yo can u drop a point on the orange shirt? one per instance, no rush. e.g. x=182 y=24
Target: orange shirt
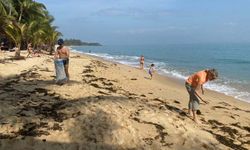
x=197 y=79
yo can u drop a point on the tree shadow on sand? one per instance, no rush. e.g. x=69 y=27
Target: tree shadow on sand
x=30 y=113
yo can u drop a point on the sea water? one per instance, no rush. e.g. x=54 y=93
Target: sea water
x=181 y=60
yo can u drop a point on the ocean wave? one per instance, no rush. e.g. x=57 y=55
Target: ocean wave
x=228 y=90
x=173 y=73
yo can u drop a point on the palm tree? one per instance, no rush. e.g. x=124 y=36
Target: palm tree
x=24 y=21
x=28 y=9
x=15 y=32
x=53 y=35
x=5 y=7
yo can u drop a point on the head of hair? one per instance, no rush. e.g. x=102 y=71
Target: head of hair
x=152 y=65
x=60 y=42
x=214 y=73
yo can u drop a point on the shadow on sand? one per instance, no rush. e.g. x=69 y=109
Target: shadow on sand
x=30 y=113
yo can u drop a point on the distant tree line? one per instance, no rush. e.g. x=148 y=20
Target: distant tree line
x=76 y=42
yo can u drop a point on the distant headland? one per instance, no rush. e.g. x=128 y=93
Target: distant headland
x=77 y=42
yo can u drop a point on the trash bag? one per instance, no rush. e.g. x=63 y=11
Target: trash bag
x=60 y=72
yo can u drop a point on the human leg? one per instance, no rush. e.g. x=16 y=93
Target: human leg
x=66 y=69
x=193 y=104
x=141 y=65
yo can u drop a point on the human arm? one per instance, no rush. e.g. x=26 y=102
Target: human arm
x=202 y=89
x=67 y=52
x=200 y=98
x=56 y=55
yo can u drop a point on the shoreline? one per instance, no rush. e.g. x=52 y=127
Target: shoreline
x=107 y=105
x=168 y=77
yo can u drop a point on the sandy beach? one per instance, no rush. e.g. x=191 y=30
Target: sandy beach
x=107 y=105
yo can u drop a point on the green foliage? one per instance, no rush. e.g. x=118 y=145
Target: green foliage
x=77 y=42
x=25 y=21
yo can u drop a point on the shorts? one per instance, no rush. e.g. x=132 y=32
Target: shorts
x=193 y=99
x=65 y=61
x=150 y=73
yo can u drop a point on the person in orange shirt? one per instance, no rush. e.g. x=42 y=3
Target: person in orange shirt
x=193 y=84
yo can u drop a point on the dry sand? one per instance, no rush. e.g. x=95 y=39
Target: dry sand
x=109 y=106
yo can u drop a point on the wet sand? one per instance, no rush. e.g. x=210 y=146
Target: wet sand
x=110 y=106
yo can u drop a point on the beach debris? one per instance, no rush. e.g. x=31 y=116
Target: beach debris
x=219 y=107
x=159 y=128
x=104 y=93
x=148 y=141
x=107 y=83
x=227 y=141
x=224 y=103
x=198 y=112
x=31 y=129
x=88 y=70
x=235 y=139
x=177 y=102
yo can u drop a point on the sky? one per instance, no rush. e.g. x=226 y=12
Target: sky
x=142 y=22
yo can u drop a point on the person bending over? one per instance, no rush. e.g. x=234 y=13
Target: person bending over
x=194 y=84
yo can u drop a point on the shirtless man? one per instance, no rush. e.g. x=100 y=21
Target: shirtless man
x=62 y=52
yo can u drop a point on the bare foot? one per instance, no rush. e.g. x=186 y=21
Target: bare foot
x=197 y=121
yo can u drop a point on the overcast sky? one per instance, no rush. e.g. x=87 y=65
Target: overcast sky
x=152 y=21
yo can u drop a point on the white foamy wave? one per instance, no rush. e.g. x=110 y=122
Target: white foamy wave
x=173 y=73
x=126 y=60
x=228 y=90
x=74 y=50
x=122 y=57
x=102 y=55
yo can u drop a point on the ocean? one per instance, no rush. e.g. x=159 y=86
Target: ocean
x=181 y=60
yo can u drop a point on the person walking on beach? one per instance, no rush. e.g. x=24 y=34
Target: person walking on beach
x=62 y=52
x=193 y=84
x=151 y=70
x=142 y=62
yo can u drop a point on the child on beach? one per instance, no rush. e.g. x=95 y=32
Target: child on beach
x=193 y=84
x=151 y=70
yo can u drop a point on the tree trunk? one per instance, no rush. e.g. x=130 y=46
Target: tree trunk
x=51 y=49
x=18 y=52
x=21 y=13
